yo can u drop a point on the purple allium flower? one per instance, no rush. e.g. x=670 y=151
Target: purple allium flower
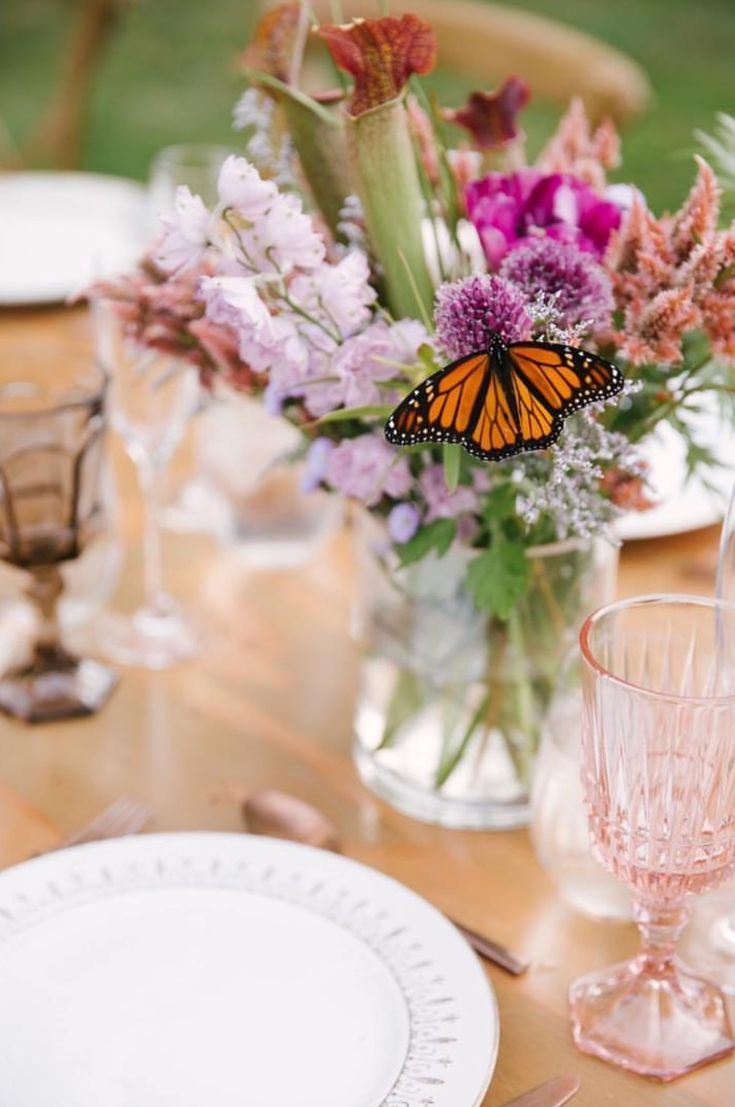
x=403 y=522
x=315 y=469
x=366 y=467
x=441 y=503
x=506 y=207
x=581 y=289
x=468 y=312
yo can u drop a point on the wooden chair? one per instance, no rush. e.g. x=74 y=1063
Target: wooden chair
x=487 y=42
x=57 y=138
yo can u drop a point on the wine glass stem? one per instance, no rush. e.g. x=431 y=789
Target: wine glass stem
x=155 y=594
x=45 y=587
x=660 y=926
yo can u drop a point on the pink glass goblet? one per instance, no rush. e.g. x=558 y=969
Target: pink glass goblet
x=658 y=769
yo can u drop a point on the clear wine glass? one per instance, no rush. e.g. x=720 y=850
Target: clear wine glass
x=709 y=940
x=198 y=507
x=152 y=397
x=659 y=779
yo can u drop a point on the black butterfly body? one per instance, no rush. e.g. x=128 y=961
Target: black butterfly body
x=504 y=400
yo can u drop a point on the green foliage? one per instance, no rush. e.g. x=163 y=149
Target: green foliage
x=436 y=536
x=498 y=577
x=452 y=458
x=344 y=414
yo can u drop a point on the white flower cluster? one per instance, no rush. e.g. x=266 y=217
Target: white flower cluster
x=272 y=155
x=565 y=487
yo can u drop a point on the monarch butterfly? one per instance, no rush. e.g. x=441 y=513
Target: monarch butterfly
x=503 y=400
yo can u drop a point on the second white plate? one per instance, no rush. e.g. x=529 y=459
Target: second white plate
x=188 y=969
x=60 y=231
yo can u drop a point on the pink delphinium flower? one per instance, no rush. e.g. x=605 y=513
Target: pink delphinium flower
x=581 y=289
x=507 y=207
x=367 y=468
x=185 y=235
x=440 y=502
x=341 y=294
x=470 y=311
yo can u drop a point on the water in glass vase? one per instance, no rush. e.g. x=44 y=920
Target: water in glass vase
x=452 y=701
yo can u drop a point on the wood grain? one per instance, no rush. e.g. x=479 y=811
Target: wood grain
x=269 y=705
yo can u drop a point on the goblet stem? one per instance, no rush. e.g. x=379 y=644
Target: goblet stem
x=660 y=927
x=156 y=597
x=43 y=590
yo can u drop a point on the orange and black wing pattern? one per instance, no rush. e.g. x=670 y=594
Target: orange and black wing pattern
x=504 y=402
x=442 y=407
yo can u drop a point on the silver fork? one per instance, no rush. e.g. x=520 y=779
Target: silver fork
x=124 y=816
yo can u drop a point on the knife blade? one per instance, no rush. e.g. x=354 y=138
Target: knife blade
x=553 y=1093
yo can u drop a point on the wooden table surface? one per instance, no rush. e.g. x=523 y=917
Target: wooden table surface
x=269 y=704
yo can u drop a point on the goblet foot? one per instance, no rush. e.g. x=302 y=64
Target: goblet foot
x=56 y=685
x=153 y=638
x=660 y=1025
x=708 y=943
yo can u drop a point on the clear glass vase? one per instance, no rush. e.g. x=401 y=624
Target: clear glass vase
x=452 y=702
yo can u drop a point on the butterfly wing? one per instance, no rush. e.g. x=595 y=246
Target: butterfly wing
x=551 y=380
x=441 y=408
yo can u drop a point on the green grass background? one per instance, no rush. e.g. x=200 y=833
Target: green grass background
x=171 y=76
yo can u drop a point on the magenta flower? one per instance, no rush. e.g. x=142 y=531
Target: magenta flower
x=581 y=288
x=507 y=207
x=469 y=312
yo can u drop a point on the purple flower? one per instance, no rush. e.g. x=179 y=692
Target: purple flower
x=441 y=503
x=403 y=522
x=468 y=312
x=366 y=468
x=582 y=290
x=506 y=207
x=315 y=469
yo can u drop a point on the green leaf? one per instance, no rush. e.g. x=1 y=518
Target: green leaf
x=426 y=357
x=437 y=536
x=500 y=503
x=452 y=454
x=405 y=702
x=344 y=413
x=498 y=577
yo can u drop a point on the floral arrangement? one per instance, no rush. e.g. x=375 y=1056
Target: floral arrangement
x=368 y=236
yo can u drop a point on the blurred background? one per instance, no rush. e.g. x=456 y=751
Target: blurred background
x=166 y=71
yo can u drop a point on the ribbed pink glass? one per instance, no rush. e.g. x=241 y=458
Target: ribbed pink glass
x=658 y=752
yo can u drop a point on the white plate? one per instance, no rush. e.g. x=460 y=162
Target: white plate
x=682 y=504
x=59 y=231
x=179 y=970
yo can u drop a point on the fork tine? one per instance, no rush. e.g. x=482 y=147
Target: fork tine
x=124 y=816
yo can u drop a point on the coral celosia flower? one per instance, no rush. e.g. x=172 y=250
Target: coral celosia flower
x=381 y=54
x=490 y=117
x=579 y=151
x=673 y=274
x=468 y=312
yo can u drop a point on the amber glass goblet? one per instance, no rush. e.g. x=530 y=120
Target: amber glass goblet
x=658 y=767
x=52 y=429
